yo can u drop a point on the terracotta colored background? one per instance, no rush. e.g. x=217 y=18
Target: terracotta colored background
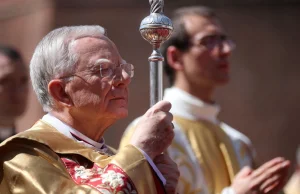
x=262 y=99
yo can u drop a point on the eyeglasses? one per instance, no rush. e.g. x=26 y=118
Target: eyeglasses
x=212 y=41
x=108 y=70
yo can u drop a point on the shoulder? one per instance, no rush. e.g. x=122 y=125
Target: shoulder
x=234 y=134
x=20 y=150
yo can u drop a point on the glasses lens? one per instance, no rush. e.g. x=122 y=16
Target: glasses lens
x=106 y=70
x=128 y=68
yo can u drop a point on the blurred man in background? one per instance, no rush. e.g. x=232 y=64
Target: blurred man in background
x=13 y=89
x=212 y=156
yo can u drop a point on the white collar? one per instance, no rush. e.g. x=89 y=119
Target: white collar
x=190 y=107
x=73 y=133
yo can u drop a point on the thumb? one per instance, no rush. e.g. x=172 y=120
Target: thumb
x=163 y=105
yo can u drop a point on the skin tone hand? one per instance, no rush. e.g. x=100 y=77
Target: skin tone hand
x=154 y=132
x=169 y=170
x=267 y=179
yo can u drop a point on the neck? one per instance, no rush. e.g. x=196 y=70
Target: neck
x=92 y=128
x=204 y=93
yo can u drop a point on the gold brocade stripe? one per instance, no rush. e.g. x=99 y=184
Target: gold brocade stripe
x=228 y=161
x=227 y=149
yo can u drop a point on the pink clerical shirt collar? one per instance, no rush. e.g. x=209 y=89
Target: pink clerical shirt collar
x=74 y=134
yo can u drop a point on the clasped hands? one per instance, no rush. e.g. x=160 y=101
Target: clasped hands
x=267 y=179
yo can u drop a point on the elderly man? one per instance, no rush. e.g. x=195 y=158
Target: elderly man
x=82 y=81
x=212 y=157
x=13 y=90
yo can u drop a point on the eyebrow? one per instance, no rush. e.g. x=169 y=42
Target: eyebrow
x=99 y=61
x=199 y=38
x=103 y=60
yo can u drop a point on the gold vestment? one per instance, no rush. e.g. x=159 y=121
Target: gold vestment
x=41 y=160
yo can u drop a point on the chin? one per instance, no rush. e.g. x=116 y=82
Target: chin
x=223 y=81
x=122 y=116
x=120 y=113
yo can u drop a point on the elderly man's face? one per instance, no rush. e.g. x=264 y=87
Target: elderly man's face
x=13 y=88
x=93 y=95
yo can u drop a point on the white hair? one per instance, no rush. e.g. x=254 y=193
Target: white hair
x=53 y=58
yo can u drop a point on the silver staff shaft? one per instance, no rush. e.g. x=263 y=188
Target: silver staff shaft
x=156 y=77
x=156 y=29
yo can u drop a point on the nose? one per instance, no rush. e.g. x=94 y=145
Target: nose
x=121 y=77
x=227 y=47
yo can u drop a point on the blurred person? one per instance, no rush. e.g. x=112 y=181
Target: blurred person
x=293 y=185
x=82 y=81
x=13 y=89
x=212 y=156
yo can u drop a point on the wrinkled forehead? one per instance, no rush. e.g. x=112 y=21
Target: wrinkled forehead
x=91 y=49
x=201 y=26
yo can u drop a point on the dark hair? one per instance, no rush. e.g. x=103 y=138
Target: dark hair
x=179 y=37
x=10 y=52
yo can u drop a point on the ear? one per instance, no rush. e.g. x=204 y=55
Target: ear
x=174 y=58
x=56 y=89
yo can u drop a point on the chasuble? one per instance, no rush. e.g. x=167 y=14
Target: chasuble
x=43 y=160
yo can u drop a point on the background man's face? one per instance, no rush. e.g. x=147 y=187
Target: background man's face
x=94 y=96
x=13 y=88
x=205 y=62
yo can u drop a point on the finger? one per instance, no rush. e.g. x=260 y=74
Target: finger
x=267 y=175
x=266 y=166
x=169 y=118
x=159 y=158
x=246 y=171
x=163 y=158
x=277 y=183
x=163 y=105
x=272 y=188
x=165 y=120
x=270 y=183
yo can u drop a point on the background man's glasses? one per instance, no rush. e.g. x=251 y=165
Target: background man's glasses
x=212 y=41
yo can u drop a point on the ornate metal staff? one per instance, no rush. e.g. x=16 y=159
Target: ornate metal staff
x=156 y=29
